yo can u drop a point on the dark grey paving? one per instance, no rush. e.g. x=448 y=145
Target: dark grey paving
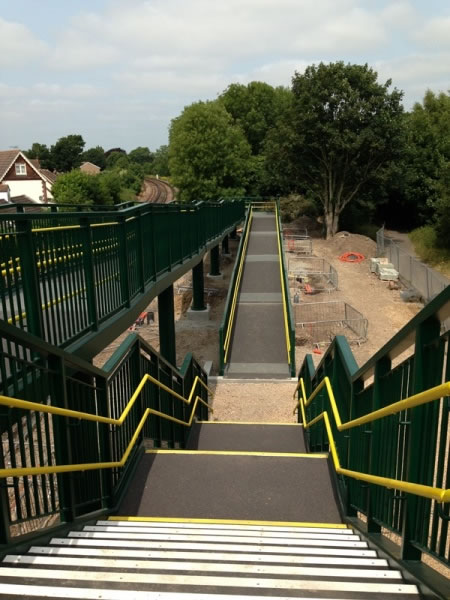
x=259 y=334
x=262 y=244
x=249 y=438
x=264 y=223
x=232 y=487
x=261 y=277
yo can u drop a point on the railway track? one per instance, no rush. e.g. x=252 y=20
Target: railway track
x=156 y=191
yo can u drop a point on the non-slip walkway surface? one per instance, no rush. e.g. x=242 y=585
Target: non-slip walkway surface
x=259 y=343
x=246 y=437
x=239 y=487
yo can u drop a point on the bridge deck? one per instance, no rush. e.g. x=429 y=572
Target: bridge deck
x=259 y=343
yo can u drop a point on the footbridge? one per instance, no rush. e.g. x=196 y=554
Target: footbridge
x=117 y=483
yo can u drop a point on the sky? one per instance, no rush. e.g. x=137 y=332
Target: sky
x=118 y=71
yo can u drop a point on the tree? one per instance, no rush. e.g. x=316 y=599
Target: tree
x=256 y=107
x=141 y=155
x=208 y=154
x=343 y=128
x=77 y=187
x=66 y=153
x=113 y=157
x=160 y=163
x=95 y=155
x=42 y=153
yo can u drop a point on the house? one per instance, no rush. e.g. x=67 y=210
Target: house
x=24 y=176
x=90 y=168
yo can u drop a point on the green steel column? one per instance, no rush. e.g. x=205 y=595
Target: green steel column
x=214 y=257
x=198 y=288
x=30 y=279
x=225 y=249
x=166 y=313
x=233 y=234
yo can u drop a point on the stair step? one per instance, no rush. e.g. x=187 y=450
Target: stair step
x=286 y=535
x=201 y=567
x=37 y=592
x=257 y=437
x=96 y=540
x=335 y=528
x=198 y=582
x=210 y=556
x=94 y=531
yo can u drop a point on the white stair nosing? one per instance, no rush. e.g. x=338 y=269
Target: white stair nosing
x=185 y=566
x=224 y=526
x=300 y=541
x=192 y=580
x=211 y=556
x=107 y=594
x=80 y=540
x=249 y=534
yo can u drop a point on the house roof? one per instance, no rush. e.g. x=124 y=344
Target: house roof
x=6 y=159
x=31 y=205
x=49 y=175
x=4 y=187
x=90 y=168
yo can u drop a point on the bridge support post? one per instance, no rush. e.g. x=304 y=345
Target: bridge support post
x=214 y=269
x=166 y=313
x=225 y=248
x=198 y=287
x=233 y=234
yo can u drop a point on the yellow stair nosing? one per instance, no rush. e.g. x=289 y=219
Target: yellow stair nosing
x=237 y=453
x=229 y=522
x=247 y=423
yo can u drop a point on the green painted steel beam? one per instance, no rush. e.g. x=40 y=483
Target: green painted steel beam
x=198 y=287
x=166 y=315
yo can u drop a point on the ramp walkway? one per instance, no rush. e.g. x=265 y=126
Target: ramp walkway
x=259 y=343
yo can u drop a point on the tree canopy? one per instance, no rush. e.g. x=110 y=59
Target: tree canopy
x=67 y=153
x=208 y=154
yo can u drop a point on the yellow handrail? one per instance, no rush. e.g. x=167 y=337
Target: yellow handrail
x=283 y=289
x=74 y=414
x=226 y=345
x=435 y=393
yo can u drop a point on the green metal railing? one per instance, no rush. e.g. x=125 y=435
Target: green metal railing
x=34 y=371
x=287 y=305
x=411 y=445
x=226 y=326
x=65 y=275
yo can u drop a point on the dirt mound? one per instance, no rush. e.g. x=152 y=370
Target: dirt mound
x=352 y=242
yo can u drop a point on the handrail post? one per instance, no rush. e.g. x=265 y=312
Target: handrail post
x=89 y=274
x=123 y=261
x=426 y=332
x=140 y=253
x=30 y=278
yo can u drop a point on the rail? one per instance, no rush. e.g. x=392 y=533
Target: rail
x=71 y=278
x=226 y=326
x=71 y=432
x=289 y=324
x=389 y=421
x=436 y=393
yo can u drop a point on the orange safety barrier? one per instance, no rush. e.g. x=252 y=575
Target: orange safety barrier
x=354 y=257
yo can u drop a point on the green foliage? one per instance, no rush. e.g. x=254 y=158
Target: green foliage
x=141 y=156
x=256 y=108
x=442 y=205
x=77 y=187
x=113 y=158
x=160 y=163
x=42 y=153
x=95 y=156
x=342 y=129
x=67 y=153
x=427 y=247
x=208 y=154
x=296 y=205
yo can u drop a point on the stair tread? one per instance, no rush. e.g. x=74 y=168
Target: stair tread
x=244 y=487
x=247 y=437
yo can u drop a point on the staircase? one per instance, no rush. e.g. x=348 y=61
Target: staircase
x=243 y=512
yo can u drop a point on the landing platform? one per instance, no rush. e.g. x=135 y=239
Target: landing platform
x=244 y=487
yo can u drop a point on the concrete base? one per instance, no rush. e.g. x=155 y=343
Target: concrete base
x=214 y=276
x=227 y=254
x=199 y=315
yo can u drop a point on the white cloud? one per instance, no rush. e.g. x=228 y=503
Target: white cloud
x=436 y=33
x=18 y=45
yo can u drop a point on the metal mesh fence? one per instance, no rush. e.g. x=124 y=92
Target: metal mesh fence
x=314 y=273
x=320 y=322
x=297 y=241
x=424 y=280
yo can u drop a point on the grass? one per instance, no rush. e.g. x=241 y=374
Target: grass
x=424 y=241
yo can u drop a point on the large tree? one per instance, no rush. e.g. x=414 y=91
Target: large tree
x=67 y=153
x=208 y=154
x=95 y=155
x=343 y=128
